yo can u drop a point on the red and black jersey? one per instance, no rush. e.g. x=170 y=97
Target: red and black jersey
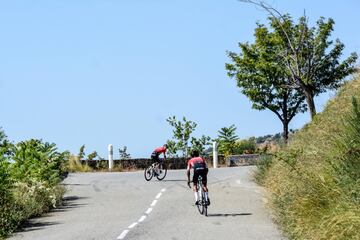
x=196 y=163
x=160 y=150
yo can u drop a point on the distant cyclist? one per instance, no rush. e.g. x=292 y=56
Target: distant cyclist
x=200 y=168
x=156 y=153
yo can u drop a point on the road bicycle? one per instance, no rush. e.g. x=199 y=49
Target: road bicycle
x=202 y=205
x=158 y=170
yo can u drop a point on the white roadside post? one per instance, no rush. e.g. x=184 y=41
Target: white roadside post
x=111 y=161
x=215 y=154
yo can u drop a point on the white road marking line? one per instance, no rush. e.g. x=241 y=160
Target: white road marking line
x=133 y=225
x=142 y=218
x=149 y=210
x=153 y=203
x=123 y=234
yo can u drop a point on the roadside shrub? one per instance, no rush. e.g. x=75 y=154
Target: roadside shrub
x=29 y=183
x=35 y=197
x=263 y=166
x=8 y=214
x=75 y=165
x=38 y=160
x=246 y=146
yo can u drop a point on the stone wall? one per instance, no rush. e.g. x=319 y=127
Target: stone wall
x=141 y=163
x=175 y=163
x=242 y=160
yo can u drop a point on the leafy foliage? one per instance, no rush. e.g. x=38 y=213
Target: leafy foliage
x=182 y=132
x=261 y=75
x=82 y=152
x=182 y=139
x=36 y=159
x=310 y=59
x=226 y=139
x=172 y=148
x=7 y=215
x=200 y=144
x=29 y=175
x=245 y=146
x=92 y=155
x=123 y=153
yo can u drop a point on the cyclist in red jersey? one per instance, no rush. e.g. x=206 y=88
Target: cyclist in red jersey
x=156 y=153
x=155 y=156
x=200 y=168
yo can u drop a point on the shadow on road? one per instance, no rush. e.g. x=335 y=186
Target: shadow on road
x=38 y=223
x=34 y=224
x=229 y=214
x=69 y=202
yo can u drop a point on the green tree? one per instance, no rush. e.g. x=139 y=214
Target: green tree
x=263 y=79
x=172 y=148
x=310 y=58
x=245 y=146
x=5 y=145
x=92 y=155
x=123 y=153
x=81 y=152
x=182 y=132
x=200 y=144
x=226 y=139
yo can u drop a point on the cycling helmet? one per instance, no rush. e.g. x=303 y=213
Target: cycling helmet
x=195 y=153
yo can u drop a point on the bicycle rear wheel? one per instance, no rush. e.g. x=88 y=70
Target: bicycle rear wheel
x=200 y=206
x=204 y=203
x=162 y=172
x=148 y=173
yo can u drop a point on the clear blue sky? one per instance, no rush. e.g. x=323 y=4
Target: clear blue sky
x=99 y=72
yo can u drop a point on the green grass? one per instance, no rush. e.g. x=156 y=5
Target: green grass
x=315 y=181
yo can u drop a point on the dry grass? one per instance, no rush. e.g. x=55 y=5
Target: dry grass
x=75 y=165
x=314 y=182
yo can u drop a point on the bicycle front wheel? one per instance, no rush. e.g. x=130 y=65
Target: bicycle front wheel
x=148 y=173
x=162 y=172
x=200 y=206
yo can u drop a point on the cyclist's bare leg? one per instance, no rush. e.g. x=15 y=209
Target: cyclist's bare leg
x=195 y=188
x=205 y=187
x=206 y=191
x=196 y=192
x=156 y=167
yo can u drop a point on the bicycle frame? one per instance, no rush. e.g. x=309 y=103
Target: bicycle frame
x=150 y=171
x=202 y=206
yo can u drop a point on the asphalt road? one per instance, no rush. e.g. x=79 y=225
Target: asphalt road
x=110 y=206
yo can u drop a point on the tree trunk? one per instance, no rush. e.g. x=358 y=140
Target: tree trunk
x=285 y=130
x=285 y=120
x=310 y=102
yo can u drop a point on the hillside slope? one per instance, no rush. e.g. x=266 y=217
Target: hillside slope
x=315 y=182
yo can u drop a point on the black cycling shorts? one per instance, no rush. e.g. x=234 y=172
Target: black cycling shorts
x=203 y=173
x=155 y=157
